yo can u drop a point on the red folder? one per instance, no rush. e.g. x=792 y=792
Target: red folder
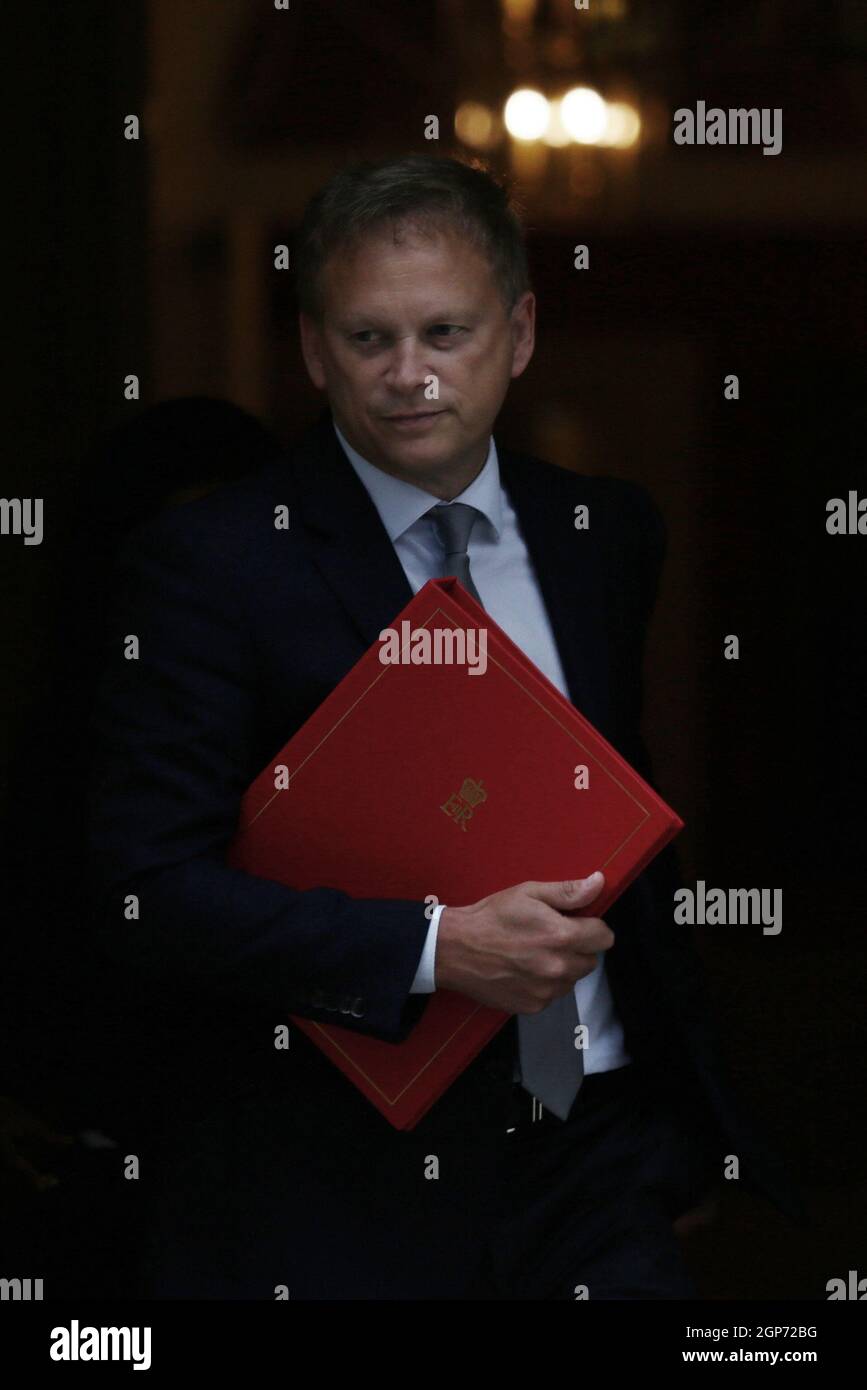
x=412 y=780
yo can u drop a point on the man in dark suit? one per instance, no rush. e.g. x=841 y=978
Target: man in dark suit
x=268 y=1170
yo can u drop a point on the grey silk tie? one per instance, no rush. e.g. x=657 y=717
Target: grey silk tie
x=454 y=522
x=552 y=1066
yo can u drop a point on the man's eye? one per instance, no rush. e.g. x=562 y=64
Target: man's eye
x=365 y=337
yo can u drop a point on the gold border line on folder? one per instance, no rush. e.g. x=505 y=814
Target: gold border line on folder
x=323 y=1028
x=392 y=1100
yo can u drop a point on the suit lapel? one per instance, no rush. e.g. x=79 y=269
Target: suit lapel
x=352 y=550
x=348 y=542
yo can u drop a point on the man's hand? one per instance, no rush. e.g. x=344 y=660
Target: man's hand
x=518 y=949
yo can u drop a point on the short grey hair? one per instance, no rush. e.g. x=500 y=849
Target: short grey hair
x=427 y=192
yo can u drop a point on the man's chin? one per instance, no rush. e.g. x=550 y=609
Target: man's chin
x=435 y=441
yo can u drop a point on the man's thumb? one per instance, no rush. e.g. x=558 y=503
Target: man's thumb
x=572 y=893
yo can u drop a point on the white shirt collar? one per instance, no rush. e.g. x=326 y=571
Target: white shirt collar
x=401 y=504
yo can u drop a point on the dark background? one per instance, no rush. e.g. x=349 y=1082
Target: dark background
x=156 y=257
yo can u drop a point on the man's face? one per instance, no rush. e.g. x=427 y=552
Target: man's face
x=395 y=316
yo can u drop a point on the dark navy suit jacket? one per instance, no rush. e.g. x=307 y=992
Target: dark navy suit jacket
x=243 y=629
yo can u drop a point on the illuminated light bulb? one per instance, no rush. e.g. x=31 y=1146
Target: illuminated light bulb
x=622 y=127
x=475 y=125
x=526 y=114
x=584 y=114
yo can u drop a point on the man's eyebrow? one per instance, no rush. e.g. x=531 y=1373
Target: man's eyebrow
x=448 y=315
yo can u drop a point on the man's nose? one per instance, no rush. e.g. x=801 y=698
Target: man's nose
x=406 y=365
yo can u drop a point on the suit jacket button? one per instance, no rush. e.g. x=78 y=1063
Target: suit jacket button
x=357 y=1009
x=346 y=1004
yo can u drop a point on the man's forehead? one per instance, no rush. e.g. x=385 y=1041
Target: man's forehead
x=383 y=278
x=409 y=233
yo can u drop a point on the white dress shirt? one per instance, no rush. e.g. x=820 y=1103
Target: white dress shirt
x=506 y=581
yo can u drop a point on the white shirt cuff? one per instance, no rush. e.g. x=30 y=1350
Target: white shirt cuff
x=424 y=982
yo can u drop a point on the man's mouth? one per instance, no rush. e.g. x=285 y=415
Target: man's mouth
x=416 y=417
x=414 y=414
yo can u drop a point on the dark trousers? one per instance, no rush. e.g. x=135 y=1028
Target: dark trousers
x=539 y=1209
x=590 y=1203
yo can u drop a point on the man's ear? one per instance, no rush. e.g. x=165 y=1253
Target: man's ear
x=522 y=325
x=311 y=348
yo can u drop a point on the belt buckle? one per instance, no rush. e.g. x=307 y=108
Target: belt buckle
x=537 y=1110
